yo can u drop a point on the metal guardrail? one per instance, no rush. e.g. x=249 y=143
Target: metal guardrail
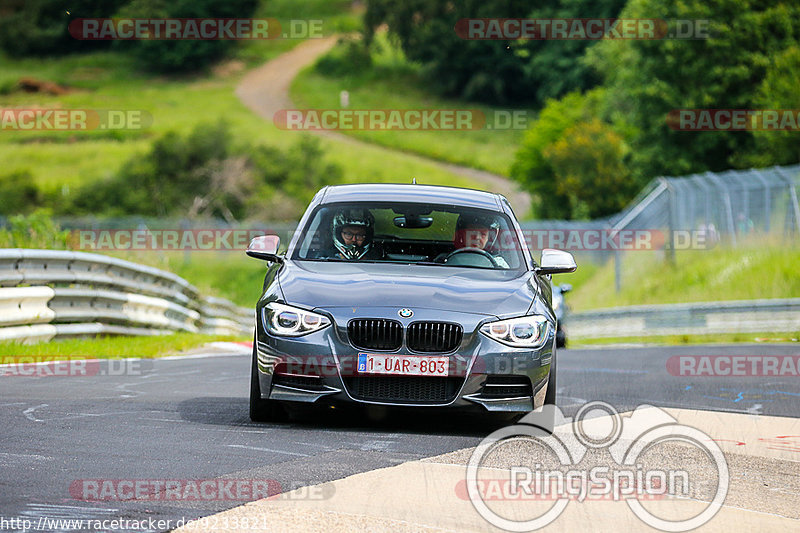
x=740 y=316
x=47 y=293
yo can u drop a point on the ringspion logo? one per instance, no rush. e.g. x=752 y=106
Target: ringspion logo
x=498 y=470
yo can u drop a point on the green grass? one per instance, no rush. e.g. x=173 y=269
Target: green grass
x=70 y=158
x=224 y=274
x=756 y=269
x=586 y=270
x=113 y=347
x=392 y=83
x=337 y=16
x=110 y=80
x=230 y=275
x=676 y=340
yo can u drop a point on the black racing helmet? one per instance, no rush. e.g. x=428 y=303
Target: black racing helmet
x=353 y=217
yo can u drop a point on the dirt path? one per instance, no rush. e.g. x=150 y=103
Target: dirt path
x=265 y=90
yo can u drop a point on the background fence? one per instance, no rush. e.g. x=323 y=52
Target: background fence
x=75 y=293
x=698 y=211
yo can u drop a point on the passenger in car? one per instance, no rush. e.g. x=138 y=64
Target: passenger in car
x=478 y=231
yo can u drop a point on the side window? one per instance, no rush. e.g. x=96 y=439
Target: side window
x=506 y=245
x=316 y=238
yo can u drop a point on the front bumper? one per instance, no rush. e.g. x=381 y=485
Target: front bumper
x=484 y=375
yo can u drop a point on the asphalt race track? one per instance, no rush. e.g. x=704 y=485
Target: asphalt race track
x=186 y=419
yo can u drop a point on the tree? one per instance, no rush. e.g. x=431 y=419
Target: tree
x=532 y=167
x=182 y=55
x=40 y=27
x=778 y=91
x=588 y=163
x=495 y=71
x=554 y=68
x=487 y=70
x=646 y=79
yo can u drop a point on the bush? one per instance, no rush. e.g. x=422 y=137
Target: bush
x=19 y=193
x=589 y=167
x=34 y=231
x=183 y=55
x=165 y=180
x=574 y=163
x=204 y=174
x=348 y=57
x=40 y=27
x=493 y=71
x=289 y=179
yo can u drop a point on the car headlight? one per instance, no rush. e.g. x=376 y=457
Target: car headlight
x=522 y=332
x=288 y=321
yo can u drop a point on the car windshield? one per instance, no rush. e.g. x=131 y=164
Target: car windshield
x=413 y=233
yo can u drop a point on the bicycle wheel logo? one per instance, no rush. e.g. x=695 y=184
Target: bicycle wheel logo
x=626 y=439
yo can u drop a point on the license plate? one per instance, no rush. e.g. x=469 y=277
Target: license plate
x=403 y=365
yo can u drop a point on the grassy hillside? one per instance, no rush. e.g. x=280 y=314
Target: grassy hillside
x=755 y=269
x=66 y=158
x=394 y=83
x=59 y=160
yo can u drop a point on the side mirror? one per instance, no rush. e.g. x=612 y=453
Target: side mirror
x=266 y=248
x=556 y=262
x=565 y=287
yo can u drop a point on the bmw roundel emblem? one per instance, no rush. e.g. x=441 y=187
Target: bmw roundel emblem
x=405 y=313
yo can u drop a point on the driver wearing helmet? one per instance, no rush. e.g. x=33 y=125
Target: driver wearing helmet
x=478 y=231
x=352 y=232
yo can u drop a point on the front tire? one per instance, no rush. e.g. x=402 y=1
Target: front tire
x=547 y=420
x=262 y=410
x=550 y=395
x=561 y=338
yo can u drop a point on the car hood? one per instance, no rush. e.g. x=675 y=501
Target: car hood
x=470 y=290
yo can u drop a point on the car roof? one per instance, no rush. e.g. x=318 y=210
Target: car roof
x=407 y=192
